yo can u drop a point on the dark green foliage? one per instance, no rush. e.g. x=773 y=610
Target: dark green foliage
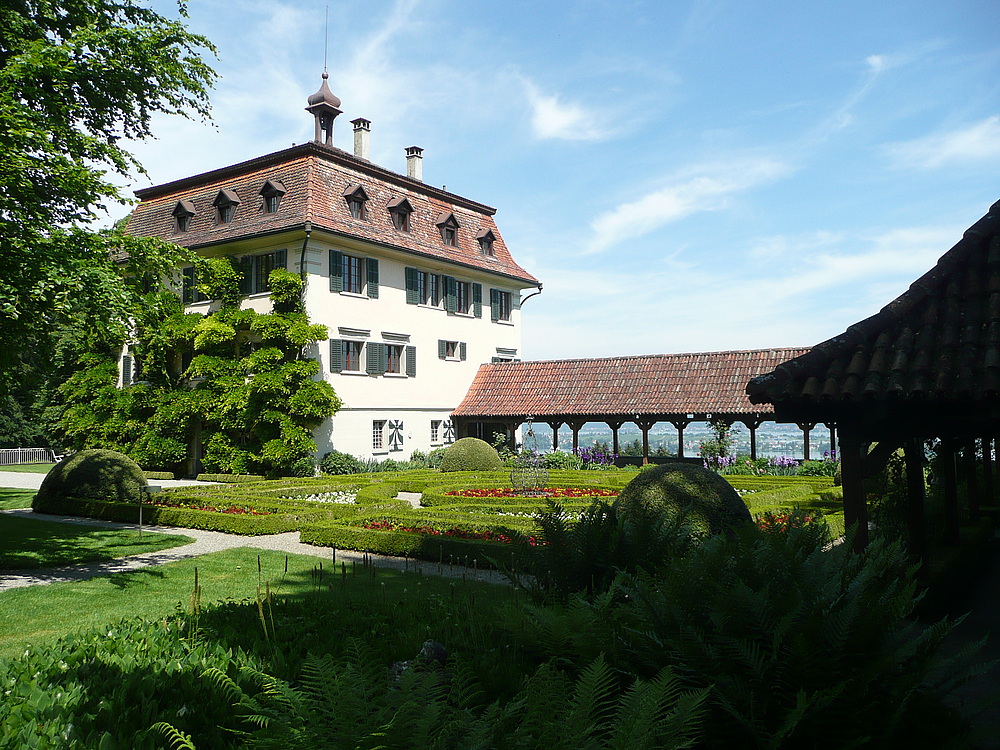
x=705 y=501
x=304 y=467
x=561 y=460
x=230 y=478
x=93 y=475
x=158 y=475
x=336 y=462
x=471 y=454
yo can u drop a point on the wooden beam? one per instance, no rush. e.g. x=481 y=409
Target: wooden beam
x=915 y=494
x=951 y=535
x=615 y=426
x=971 y=479
x=680 y=424
x=555 y=434
x=989 y=486
x=852 y=458
x=645 y=426
x=806 y=428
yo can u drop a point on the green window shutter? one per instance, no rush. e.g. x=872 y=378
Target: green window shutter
x=442 y=349
x=412 y=297
x=126 y=370
x=246 y=275
x=461 y=351
x=495 y=304
x=450 y=294
x=383 y=358
x=281 y=259
x=187 y=285
x=495 y=360
x=411 y=361
x=336 y=355
x=372 y=267
x=373 y=352
x=477 y=300
x=336 y=271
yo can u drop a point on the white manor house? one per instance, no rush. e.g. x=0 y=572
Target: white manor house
x=415 y=284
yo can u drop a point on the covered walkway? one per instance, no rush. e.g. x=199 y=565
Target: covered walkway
x=645 y=390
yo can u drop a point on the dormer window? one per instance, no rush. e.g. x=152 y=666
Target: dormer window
x=226 y=203
x=448 y=225
x=183 y=212
x=356 y=198
x=272 y=193
x=485 y=239
x=399 y=211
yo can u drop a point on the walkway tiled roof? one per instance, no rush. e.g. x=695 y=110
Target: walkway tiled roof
x=658 y=384
x=314 y=177
x=937 y=342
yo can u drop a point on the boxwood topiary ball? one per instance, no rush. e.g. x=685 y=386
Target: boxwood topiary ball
x=93 y=474
x=471 y=454
x=708 y=502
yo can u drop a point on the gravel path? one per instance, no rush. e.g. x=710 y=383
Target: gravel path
x=23 y=480
x=204 y=543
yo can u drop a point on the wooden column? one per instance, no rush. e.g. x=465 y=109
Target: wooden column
x=752 y=425
x=971 y=466
x=615 y=426
x=806 y=428
x=833 y=439
x=989 y=488
x=645 y=426
x=680 y=424
x=852 y=455
x=575 y=426
x=951 y=535
x=915 y=493
x=555 y=434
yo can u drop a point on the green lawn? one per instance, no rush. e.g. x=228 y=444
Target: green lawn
x=41 y=614
x=11 y=498
x=27 y=543
x=29 y=468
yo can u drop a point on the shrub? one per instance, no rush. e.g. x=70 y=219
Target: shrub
x=158 y=474
x=336 y=462
x=228 y=478
x=435 y=457
x=561 y=460
x=93 y=474
x=304 y=467
x=471 y=454
x=706 y=501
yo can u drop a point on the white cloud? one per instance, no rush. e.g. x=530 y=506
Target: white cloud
x=706 y=187
x=977 y=143
x=551 y=117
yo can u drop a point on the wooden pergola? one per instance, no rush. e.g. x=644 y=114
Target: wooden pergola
x=675 y=388
x=926 y=366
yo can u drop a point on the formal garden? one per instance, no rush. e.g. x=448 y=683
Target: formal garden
x=662 y=607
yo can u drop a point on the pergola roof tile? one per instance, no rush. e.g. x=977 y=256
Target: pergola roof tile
x=938 y=342
x=661 y=385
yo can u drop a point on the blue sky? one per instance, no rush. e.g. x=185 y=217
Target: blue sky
x=682 y=176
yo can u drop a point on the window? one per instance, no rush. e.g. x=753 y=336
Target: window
x=423 y=288
x=448 y=226
x=272 y=193
x=355 y=275
x=462 y=297
x=399 y=211
x=378 y=435
x=356 y=200
x=452 y=350
x=226 y=203
x=255 y=271
x=500 y=305
x=393 y=358
x=485 y=239
x=182 y=214
x=352 y=355
x=189 y=287
x=351 y=272
x=435 y=431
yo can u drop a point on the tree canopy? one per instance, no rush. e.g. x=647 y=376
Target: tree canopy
x=78 y=78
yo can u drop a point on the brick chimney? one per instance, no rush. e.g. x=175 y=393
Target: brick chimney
x=362 y=138
x=415 y=163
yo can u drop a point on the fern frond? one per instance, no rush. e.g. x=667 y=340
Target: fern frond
x=175 y=738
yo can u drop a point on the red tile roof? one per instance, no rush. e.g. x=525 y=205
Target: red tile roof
x=938 y=342
x=659 y=384
x=315 y=177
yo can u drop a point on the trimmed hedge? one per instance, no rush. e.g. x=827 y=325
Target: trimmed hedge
x=158 y=474
x=95 y=474
x=470 y=454
x=230 y=478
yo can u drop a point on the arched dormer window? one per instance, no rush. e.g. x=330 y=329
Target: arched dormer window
x=182 y=214
x=399 y=211
x=226 y=203
x=485 y=239
x=448 y=225
x=356 y=198
x=272 y=192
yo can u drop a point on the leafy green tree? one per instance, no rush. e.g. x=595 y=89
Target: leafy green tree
x=77 y=79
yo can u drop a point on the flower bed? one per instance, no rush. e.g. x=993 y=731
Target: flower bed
x=233 y=510
x=548 y=492
x=482 y=536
